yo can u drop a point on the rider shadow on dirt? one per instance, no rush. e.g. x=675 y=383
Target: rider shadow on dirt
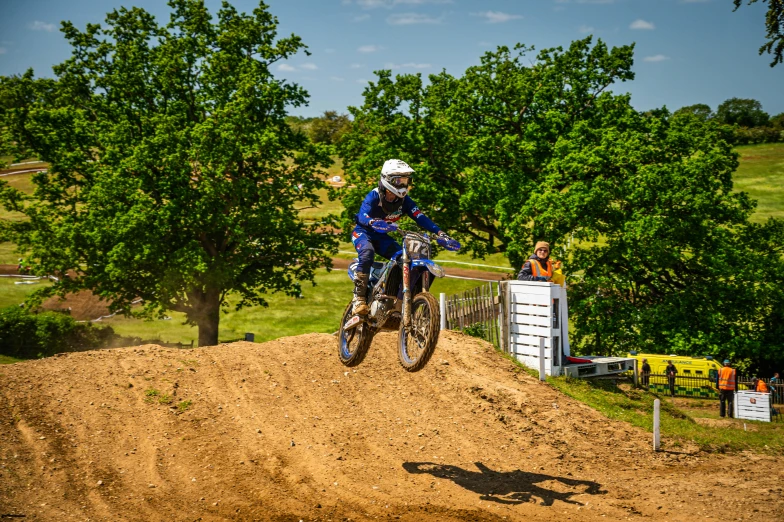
x=509 y=487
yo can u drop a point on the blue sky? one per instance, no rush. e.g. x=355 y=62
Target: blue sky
x=687 y=51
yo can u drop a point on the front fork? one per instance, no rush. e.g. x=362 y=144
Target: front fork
x=406 y=290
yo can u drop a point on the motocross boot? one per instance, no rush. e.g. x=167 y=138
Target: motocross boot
x=360 y=291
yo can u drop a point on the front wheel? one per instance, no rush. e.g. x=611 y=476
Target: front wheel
x=417 y=343
x=353 y=344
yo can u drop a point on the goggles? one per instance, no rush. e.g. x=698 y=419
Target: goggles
x=400 y=182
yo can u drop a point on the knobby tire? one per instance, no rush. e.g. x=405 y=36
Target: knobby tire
x=428 y=339
x=363 y=341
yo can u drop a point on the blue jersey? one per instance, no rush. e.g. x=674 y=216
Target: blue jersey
x=371 y=209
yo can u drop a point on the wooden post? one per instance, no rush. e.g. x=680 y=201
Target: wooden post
x=503 y=313
x=636 y=376
x=656 y=425
x=542 y=376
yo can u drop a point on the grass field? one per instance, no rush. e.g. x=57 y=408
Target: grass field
x=12 y=294
x=761 y=174
x=682 y=420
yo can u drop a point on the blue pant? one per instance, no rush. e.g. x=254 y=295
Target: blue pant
x=368 y=245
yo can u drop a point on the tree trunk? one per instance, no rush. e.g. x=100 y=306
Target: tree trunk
x=208 y=318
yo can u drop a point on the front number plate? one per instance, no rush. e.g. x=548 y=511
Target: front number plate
x=351 y=323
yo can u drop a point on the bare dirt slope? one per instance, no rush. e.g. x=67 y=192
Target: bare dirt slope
x=282 y=431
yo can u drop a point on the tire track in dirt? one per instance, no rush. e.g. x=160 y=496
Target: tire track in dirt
x=470 y=437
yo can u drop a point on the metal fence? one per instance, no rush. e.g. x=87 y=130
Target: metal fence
x=475 y=312
x=700 y=387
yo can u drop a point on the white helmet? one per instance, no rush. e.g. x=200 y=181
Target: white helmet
x=396 y=177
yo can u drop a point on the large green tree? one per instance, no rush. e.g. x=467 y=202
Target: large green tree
x=658 y=247
x=173 y=175
x=745 y=112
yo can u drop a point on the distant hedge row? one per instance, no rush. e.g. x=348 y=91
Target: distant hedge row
x=754 y=135
x=27 y=335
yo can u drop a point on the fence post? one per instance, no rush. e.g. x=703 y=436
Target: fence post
x=656 y=425
x=636 y=377
x=541 y=360
x=503 y=313
x=442 y=303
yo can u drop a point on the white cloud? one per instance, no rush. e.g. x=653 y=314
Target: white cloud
x=368 y=49
x=361 y=18
x=641 y=24
x=337 y=78
x=362 y=81
x=585 y=29
x=42 y=26
x=497 y=17
x=286 y=67
x=408 y=65
x=656 y=58
x=308 y=66
x=412 y=18
x=356 y=66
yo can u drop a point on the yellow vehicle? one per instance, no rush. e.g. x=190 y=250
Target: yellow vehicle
x=705 y=369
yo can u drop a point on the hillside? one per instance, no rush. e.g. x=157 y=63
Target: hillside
x=282 y=431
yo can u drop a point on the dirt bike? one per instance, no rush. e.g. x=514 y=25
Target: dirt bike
x=399 y=299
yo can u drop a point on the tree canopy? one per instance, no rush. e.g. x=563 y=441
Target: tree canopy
x=173 y=174
x=743 y=112
x=700 y=110
x=658 y=247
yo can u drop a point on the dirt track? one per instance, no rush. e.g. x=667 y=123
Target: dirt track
x=282 y=431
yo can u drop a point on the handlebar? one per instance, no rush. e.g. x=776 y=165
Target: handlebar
x=445 y=242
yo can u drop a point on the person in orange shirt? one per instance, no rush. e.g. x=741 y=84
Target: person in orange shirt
x=726 y=382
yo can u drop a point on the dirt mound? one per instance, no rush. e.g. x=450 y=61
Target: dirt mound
x=282 y=431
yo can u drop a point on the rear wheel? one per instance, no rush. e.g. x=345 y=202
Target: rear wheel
x=353 y=343
x=417 y=343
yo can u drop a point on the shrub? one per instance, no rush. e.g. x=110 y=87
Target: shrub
x=27 y=335
x=476 y=330
x=754 y=135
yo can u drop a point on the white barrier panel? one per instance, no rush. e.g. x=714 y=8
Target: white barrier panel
x=538 y=311
x=751 y=405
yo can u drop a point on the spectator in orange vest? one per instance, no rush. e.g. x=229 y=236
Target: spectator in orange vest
x=759 y=385
x=538 y=267
x=726 y=383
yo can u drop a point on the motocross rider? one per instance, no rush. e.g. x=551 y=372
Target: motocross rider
x=382 y=206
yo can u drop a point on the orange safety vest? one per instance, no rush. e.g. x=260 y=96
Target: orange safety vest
x=726 y=378
x=538 y=271
x=762 y=387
